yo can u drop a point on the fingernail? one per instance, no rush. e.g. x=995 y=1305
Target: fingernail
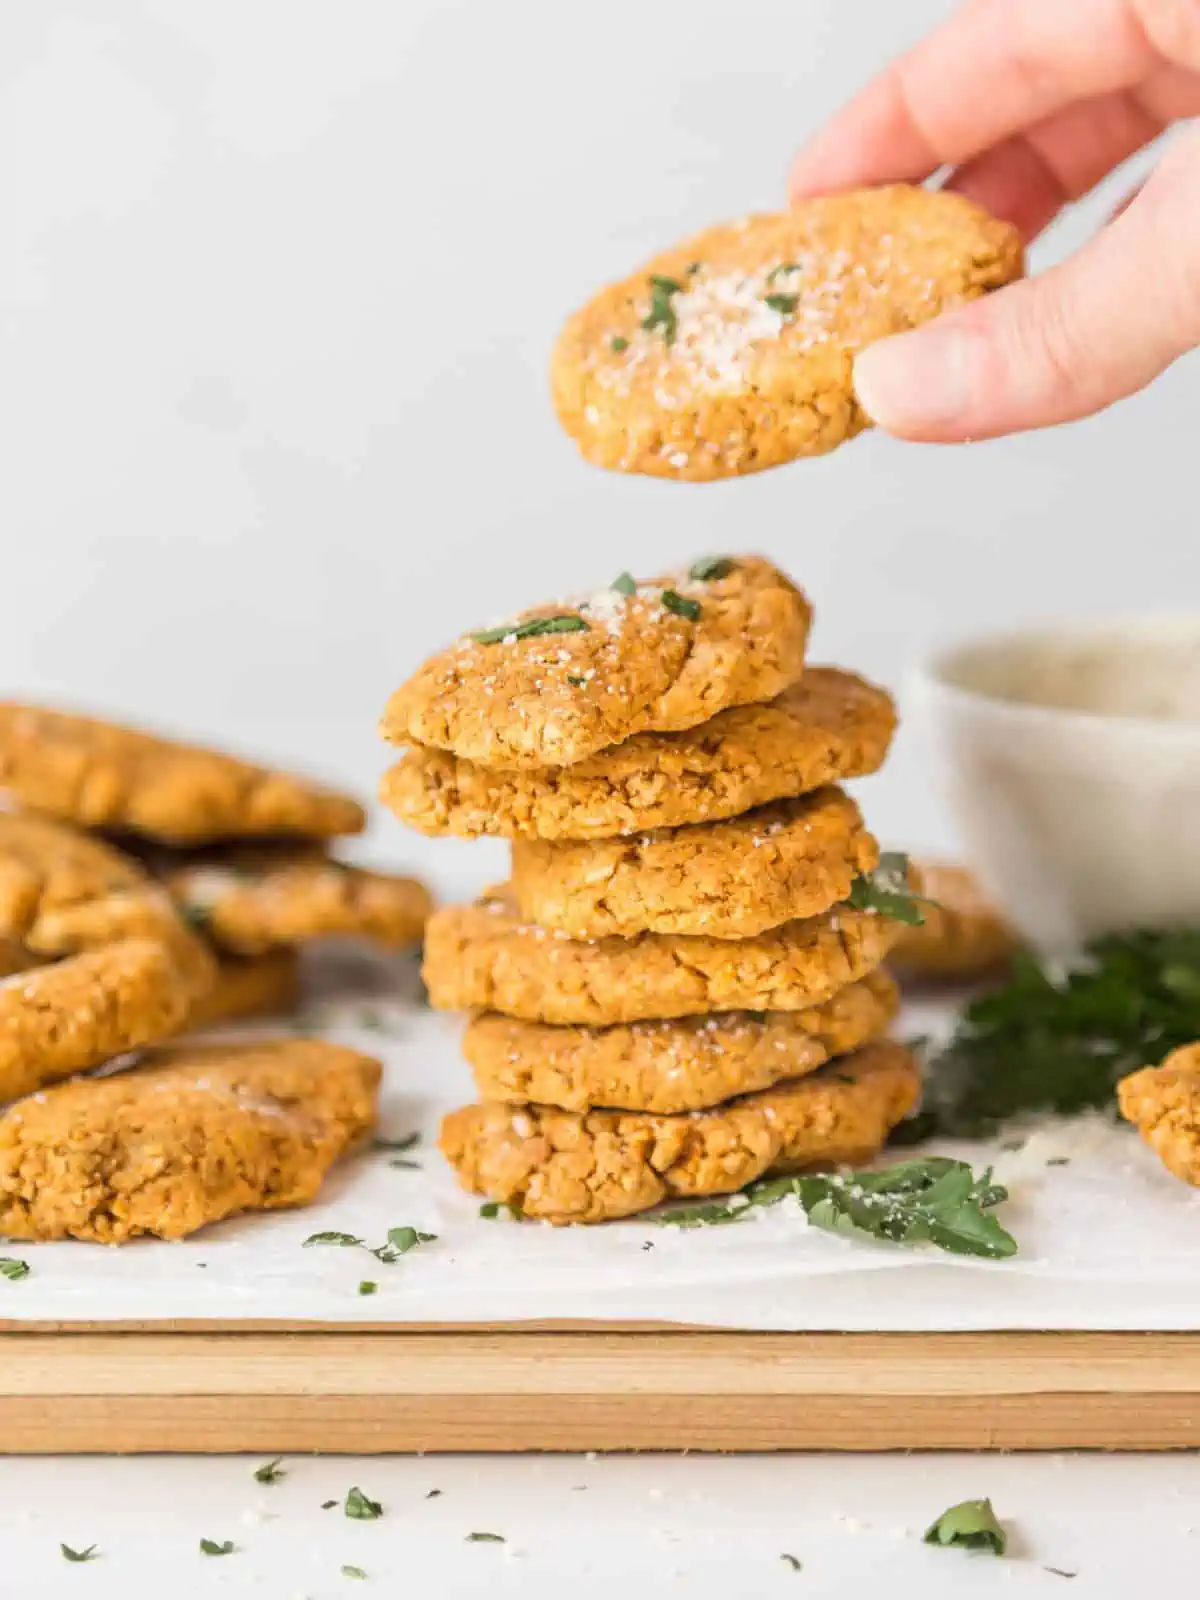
x=919 y=384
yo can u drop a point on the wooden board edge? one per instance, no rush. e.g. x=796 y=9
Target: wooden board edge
x=338 y=1393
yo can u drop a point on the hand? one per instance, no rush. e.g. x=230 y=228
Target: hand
x=1032 y=102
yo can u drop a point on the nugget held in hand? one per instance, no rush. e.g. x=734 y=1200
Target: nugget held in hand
x=734 y=350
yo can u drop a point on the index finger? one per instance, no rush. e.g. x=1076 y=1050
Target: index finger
x=993 y=69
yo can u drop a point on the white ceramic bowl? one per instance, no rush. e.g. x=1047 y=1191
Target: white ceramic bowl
x=1070 y=757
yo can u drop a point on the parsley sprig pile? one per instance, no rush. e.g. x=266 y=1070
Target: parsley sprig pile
x=931 y=1200
x=1060 y=1041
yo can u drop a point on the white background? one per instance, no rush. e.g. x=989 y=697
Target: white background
x=278 y=282
x=278 y=285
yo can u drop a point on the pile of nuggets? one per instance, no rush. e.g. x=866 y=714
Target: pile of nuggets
x=675 y=993
x=148 y=889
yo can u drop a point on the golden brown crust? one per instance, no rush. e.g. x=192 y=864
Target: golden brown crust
x=963 y=936
x=828 y=726
x=249 y=986
x=1163 y=1103
x=725 y=880
x=63 y=892
x=482 y=957
x=250 y=900
x=47 y=867
x=560 y=1166
x=198 y=1133
x=637 y=666
x=684 y=1065
x=742 y=384
x=102 y=775
x=77 y=1014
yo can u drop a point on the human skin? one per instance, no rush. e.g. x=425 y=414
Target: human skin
x=1031 y=103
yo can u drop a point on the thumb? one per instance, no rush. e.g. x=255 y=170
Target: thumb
x=1062 y=345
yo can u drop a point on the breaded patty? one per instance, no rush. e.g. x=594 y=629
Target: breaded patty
x=560 y=1166
x=198 y=1133
x=556 y=684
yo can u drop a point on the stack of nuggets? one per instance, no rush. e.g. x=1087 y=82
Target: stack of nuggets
x=148 y=888
x=659 y=988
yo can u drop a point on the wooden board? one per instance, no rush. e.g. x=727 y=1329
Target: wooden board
x=278 y=1392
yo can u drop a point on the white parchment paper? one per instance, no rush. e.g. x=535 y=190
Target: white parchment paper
x=1108 y=1240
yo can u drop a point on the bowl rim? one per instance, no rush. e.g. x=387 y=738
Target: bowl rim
x=930 y=675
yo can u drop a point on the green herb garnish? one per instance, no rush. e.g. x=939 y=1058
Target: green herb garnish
x=353 y=1572
x=92 y=1553
x=1057 y=1041
x=1060 y=1572
x=693 y=267
x=785 y=304
x=681 y=605
x=618 y=344
x=399 y=1242
x=576 y=682
x=491 y=1209
x=210 y=1547
x=401 y=1164
x=778 y=272
x=886 y=891
x=360 y=1508
x=793 y=1561
x=368 y=1286
x=662 y=312
x=12 y=1269
x=625 y=583
x=972 y=1525
x=486 y=1538
x=710 y=568
x=933 y=1200
x=270 y=1471
x=533 y=628
x=432 y=1494
x=328 y=1505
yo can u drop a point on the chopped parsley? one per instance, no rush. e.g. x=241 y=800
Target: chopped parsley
x=399 y=1242
x=360 y=1508
x=328 y=1505
x=12 y=1269
x=681 y=605
x=353 y=1572
x=368 y=1286
x=486 y=1538
x=931 y=1200
x=785 y=304
x=402 y=1164
x=886 y=891
x=710 y=568
x=625 y=583
x=971 y=1525
x=778 y=272
x=491 y=1209
x=210 y=1547
x=270 y=1471
x=618 y=344
x=576 y=682
x=433 y=1494
x=662 y=312
x=91 y=1553
x=533 y=628
x=793 y=1561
